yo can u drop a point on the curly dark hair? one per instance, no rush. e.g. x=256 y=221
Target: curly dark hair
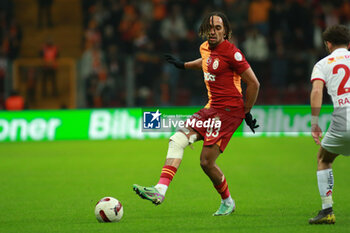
x=337 y=35
x=205 y=26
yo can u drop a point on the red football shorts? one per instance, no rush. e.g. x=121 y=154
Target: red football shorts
x=212 y=131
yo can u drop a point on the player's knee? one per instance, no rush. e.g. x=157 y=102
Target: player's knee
x=192 y=137
x=325 y=161
x=325 y=158
x=180 y=139
x=206 y=163
x=177 y=144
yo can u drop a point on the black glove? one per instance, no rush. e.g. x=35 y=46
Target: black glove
x=176 y=62
x=250 y=121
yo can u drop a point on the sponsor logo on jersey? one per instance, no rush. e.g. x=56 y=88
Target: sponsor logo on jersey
x=334 y=59
x=209 y=76
x=216 y=64
x=331 y=60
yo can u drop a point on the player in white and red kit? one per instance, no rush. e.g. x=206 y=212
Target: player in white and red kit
x=333 y=72
x=223 y=66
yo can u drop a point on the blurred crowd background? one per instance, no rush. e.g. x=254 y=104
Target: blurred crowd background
x=110 y=53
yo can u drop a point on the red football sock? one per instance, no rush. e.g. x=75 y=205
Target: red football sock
x=168 y=172
x=223 y=189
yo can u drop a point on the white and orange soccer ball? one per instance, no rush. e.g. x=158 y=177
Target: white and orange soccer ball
x=109 y=209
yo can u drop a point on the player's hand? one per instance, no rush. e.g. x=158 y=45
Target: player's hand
x=176 y=62
x=316 y=133
x=250 y=121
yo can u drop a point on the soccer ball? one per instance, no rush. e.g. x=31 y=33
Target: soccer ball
x=109 y=209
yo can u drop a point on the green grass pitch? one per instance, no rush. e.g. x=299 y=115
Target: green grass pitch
x=49 y=187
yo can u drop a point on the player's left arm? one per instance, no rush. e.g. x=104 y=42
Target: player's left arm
x=252 y=90
x=316 y=104
x=194 y=65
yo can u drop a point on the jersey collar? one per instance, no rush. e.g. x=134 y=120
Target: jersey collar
x=339 y=50
x=219 y=45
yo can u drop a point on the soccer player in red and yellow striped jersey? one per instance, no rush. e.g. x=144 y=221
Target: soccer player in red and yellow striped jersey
x=223 y=66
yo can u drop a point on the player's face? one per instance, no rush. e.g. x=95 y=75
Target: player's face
x=217 y=32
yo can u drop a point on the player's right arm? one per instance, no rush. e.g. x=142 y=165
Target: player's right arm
x=316 y=104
